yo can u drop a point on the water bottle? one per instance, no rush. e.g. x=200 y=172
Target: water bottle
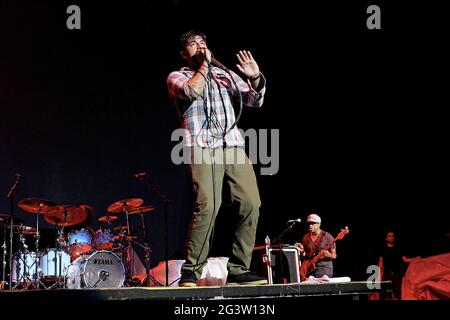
x=267 y=241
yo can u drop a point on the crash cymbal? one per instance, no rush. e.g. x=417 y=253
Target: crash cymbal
x=140 y=210
x=108 y=218
x=64 y=216
x=35 y=205
x=125 y=205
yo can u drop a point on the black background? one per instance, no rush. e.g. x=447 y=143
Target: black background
x=360 y=113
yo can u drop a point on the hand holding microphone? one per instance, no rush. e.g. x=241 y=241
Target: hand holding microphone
x=203 y=54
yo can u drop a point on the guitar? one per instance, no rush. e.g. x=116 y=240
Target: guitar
x=309 y=266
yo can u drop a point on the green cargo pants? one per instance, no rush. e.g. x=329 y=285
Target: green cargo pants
x=211 y=168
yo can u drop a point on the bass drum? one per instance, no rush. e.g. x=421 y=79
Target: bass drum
x=102 y=269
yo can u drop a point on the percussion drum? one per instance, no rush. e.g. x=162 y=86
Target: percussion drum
x=102 y=269
x=54 y=263
x=103 y=240
x=80 y=242
x=24 y=267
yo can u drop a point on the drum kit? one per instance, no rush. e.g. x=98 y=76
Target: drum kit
x=81 y=258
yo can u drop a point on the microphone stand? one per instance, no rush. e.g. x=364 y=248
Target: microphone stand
x=166 y=202
x=10 y=195
x=281 y=235
x=2 y=285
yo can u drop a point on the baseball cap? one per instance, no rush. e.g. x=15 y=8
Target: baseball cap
x=314 y=218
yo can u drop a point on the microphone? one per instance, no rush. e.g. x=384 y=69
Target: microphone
x=19 y=176
x=139 y=175
x=214 y=61
x=294 y=221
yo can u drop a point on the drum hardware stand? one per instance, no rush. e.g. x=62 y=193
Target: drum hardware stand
x=127 y=259
x=60 y=278
x=23 y=254
x=3 y=282
x=147 y=251
x=37 y=262
x=166 y=201
x=148 y=276
x=10 y=196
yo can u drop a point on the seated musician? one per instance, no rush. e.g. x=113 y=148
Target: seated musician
x=314 y=243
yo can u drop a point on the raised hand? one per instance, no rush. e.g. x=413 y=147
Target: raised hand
x=247 y=65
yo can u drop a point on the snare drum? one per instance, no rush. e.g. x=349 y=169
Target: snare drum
x=102 y=269
x=103 y=240
x=54 y=263
x=24 y=267
x=80 y=242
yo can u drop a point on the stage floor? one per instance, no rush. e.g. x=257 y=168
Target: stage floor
x=353 y=290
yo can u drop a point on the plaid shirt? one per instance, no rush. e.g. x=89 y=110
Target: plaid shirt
x=213 y=104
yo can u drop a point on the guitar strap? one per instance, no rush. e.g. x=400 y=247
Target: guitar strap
x=316 y=244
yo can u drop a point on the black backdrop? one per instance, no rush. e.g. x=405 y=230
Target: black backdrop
x=362 y=137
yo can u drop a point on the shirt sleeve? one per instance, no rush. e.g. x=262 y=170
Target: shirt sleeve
x=251 y=97
x=177 y=84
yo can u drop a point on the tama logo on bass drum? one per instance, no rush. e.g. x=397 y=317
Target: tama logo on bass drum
x=103 y=261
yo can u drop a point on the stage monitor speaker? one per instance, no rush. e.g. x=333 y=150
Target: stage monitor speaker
x=280 y=264
x=283 y=264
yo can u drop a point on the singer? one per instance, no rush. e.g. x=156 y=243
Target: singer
x=204 y=94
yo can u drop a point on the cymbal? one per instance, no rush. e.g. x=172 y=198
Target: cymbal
x=20 y=228
x=119 y=237
x=140 y=210
x=125 y=205
x=120 y=228
x=88 y=209
x=64 y=216
x=35 y=205
x=108 y=218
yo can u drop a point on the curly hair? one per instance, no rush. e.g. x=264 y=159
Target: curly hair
x=185 y=37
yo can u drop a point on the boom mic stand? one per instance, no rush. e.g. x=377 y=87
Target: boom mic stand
x=10 y=196
x=166 y=201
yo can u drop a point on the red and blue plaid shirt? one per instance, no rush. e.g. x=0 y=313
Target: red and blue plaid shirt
x=213 y=104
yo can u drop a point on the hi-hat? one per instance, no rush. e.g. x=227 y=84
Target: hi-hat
x=64 y=216
x=35 y=205
x=124 y=237
x=120 y=228
x=125 y=205
x=108 y=218
x=20 y=228
x=140 y=210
